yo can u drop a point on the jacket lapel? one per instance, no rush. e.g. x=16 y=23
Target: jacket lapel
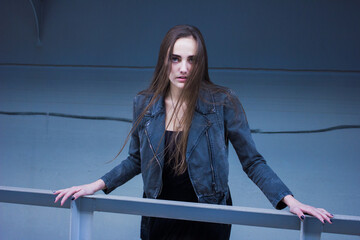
x=199 y=125
x=200 y=122
x=155 y=125
x=155 y=130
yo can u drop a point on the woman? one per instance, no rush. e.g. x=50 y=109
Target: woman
x=179 y=143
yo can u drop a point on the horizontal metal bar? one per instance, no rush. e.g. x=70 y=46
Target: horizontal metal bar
x=29 y=196
x=342 y=224
x=196 y=211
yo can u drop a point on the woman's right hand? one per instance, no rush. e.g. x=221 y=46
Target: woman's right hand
x=77 y=191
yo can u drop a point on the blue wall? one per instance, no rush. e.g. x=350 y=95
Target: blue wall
x=294 y=65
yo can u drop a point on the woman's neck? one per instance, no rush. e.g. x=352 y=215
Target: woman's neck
x=174 y=93
x=174 y=109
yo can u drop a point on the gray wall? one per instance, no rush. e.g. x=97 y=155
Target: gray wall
x=294 y=65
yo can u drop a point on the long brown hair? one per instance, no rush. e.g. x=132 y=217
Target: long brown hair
x=160 y=86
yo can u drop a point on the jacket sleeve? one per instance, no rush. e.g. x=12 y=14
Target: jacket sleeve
x=129 y=167
x=254 y=165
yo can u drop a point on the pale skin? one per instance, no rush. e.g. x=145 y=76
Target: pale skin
x=181 y=61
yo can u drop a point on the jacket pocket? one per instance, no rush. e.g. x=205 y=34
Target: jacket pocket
x=218 y=198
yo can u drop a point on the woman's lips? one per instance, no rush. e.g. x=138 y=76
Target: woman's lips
x=181 y=79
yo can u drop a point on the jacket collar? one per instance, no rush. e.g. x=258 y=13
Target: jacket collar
x=155 y=125
x=204 y=105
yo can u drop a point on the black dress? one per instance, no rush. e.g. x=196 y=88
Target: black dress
x=179 y=188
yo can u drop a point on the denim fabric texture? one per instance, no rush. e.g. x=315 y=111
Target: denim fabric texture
x=216 y=121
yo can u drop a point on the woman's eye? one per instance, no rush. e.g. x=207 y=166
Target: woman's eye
x=175 y=59
x=190 y=60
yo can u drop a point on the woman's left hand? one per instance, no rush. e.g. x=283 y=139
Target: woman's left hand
x=300 y=209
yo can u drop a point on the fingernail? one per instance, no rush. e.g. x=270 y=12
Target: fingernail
x=330 y=220
x=73 y=198
x=53 y=191
x=332 y=214
x=302 y=217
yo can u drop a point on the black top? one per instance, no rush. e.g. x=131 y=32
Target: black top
x=175 y=187
x=179 y=188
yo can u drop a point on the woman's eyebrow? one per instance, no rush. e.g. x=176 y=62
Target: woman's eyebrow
x=174 y=55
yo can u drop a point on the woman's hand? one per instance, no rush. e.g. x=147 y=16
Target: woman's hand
x=299 y=209
x=78 y=191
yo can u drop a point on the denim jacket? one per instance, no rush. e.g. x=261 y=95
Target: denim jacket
x=216 y=121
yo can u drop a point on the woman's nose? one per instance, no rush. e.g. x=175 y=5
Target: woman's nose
x=183 y=67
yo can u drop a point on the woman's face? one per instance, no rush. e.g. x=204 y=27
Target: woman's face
x=181 y=61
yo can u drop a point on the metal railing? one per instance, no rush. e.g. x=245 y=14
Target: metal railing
x=82 y=209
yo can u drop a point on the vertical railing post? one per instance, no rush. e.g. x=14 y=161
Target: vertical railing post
x=81 y=218
x=311 y=229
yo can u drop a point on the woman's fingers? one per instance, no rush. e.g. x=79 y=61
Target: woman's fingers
x=78 y=194
x=58 y=191
x=67 y=195
x=319 y=213
x=299 y=213
x=64 y=194
x=329 y=215
x=60 y=194
x=77 y=191
x=299 y=209
x=325 y=214
x=314 y=212
x=73 y=193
